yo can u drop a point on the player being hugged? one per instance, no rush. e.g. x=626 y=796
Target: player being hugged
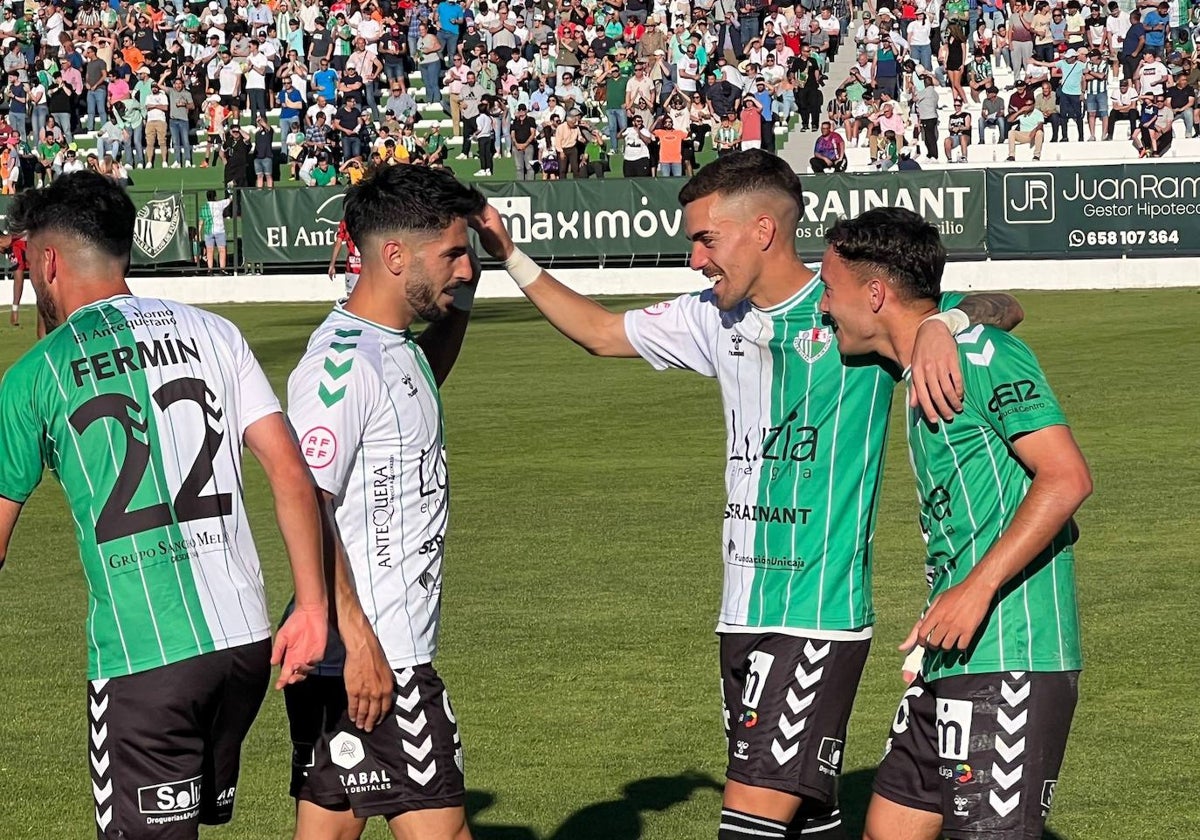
x=140 y=407
x=978 y=740
x=364 y=401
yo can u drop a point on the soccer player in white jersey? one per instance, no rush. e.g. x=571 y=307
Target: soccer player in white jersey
x=365 y=404
x=139 y=407
x=806 y=436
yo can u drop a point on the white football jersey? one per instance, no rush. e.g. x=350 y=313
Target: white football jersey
x=368 y=415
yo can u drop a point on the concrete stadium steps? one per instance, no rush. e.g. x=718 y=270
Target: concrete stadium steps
x=1119 y=149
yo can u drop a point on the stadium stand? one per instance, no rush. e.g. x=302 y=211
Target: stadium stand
x=1090 y=64
x=126 y=87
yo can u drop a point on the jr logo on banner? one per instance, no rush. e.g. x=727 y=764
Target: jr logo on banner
x=1029 y=198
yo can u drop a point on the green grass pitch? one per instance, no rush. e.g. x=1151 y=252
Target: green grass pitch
x=583 y=577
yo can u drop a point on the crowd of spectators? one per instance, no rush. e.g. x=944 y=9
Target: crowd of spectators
x=322 y=91
x=1069 y=63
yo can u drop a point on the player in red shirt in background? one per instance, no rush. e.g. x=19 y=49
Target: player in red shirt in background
x=14 y=247
x=353 y=259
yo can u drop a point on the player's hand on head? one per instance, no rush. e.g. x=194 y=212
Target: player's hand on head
x=953 y=618
x=369 y=679
x=493 y=236
x=937 y=384
x=300 y=644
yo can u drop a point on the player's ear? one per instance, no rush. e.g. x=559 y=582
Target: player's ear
x=877 y=291
x=395 y=256
x=765 y=230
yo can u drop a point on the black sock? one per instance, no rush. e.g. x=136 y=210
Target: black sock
x=736 y=825
x=822 y=824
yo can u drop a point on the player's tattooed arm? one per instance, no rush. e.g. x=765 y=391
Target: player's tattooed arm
x=936 y=385
x=994 y=309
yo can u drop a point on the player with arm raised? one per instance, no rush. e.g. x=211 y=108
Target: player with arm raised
x=140 y=407
x=977 y=744
x=806 y=437
x=365 y=402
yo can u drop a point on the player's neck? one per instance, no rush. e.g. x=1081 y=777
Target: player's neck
x=84 y=291
x=382 y=309
x=780 y=280
x=901 y=333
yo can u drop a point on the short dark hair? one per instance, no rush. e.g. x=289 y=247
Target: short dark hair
x=409 y=198
x=84 y=204
x=742 y=173
x=895 y=243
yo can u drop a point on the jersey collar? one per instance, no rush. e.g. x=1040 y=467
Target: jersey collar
x=794 y=299
x=340 y=309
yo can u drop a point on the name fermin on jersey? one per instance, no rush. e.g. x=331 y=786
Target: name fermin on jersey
x=144 y=404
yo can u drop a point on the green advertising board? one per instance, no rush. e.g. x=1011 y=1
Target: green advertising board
x=1134 y=210
x=289 y=226
x=952 y=200
x=616 y=219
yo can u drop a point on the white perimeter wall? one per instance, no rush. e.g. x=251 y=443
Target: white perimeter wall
x=974 y=276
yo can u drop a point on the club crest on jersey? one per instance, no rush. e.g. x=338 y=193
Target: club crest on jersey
x=813 y=343
x=156 y=223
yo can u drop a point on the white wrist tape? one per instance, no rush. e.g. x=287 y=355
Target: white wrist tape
x=955 y=320
x=464 y=297
x=912 y=662
x=521 y=268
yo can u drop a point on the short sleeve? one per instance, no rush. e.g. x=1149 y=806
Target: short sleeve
x=677 y=333
x=255 y=395
x=949 y=300
x=1004 y=382
x=329 y=397
x=21 y=431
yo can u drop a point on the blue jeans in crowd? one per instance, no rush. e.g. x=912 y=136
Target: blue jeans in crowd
x=922 y=54
x=449 y=43
x=351 y=147
x=108 y=147
x=181 y=142
x=998 y=122
x=97 y=101
x=40 y=114
x=20 y=122
x=136 y=140
x=617 y=123
x=670 y=170
x=431 y=73
x=63 y=121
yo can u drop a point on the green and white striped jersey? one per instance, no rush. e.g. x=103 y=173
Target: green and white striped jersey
x=970 y=484
x=805 y=438
x=138 y=407
x=368 y=413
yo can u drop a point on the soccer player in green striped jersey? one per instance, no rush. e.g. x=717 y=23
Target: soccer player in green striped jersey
x=806 y=435
x=977 y=744
x=139 y=407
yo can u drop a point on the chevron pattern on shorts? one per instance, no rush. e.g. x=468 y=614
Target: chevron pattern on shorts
x=1009 y=767
x=98 y=754
x=416 y=739
x=799 y=699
